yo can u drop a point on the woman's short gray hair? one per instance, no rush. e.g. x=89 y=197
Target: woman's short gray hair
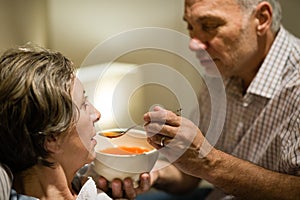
x=35 y=104
x=250 y=4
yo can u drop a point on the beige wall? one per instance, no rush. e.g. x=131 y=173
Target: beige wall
x=75 y=27
x=22 y=21
x=291 y=15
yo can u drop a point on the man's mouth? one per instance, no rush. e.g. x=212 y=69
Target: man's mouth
x=203 y=61
x=208 y=62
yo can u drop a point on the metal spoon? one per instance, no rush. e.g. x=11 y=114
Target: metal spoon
x=114 y=134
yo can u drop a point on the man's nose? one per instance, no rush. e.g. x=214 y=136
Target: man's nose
x=196 y=45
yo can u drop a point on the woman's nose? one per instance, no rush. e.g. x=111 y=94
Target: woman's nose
x=96 y=115
x=196 y=45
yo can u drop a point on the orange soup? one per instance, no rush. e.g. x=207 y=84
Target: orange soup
x=124 y=150
x=111 y=134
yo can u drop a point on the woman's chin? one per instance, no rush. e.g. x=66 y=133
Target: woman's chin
x=92 y=157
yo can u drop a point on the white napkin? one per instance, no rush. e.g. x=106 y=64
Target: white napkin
x=89 y=191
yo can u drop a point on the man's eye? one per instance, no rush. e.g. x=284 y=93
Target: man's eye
x=210 y=26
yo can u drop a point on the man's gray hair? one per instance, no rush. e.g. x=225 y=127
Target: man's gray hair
x=251 y=4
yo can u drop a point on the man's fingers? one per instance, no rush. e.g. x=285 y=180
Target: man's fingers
x=163 y=117
x=129 y=188
x=145 y=183
x=117 y=190
x=102 y=184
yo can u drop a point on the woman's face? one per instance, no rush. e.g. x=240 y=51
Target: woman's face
x=78 y=146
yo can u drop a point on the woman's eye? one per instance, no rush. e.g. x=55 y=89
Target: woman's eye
x=85 y=103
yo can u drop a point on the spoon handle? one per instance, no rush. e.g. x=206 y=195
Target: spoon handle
x=115 y=134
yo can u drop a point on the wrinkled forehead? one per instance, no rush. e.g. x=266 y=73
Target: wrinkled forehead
x=189 y=3
x=203 y=7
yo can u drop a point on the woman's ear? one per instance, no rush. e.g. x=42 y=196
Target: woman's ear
x=264 y=14
x=52 y=144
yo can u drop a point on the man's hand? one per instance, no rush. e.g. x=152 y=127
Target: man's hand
x=125 y=189
x=177 y=138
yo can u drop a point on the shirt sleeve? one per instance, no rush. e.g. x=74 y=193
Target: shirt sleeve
x=290 y=148
x=15 y=196
x=5 y=182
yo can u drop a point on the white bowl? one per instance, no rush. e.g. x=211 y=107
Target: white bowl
x=113 y=166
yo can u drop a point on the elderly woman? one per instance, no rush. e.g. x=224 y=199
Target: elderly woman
x=46 y=122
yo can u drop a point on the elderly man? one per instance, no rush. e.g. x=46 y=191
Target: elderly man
x=258 y=153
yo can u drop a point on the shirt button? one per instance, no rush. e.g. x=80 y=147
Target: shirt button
x=245 y=104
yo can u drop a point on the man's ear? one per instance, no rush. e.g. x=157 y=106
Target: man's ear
x=264 y=14
x=52 y=144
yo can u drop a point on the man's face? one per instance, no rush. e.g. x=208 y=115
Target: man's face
x=223 y=30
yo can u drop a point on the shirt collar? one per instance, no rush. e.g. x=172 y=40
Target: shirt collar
x=268 y=79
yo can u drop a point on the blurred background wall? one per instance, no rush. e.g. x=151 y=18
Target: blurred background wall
x=75 y=27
